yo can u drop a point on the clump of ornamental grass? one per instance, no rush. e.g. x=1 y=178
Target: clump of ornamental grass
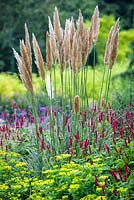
x=68 y=49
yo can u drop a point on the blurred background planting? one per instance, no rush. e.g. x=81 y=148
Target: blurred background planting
x=14 y=14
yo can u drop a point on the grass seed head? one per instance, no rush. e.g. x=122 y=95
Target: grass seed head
x=57 y=26
x=49 y=57
x=27 y=43
x=114 y=44
x=108 y=46
x=95 y=23
x=38 y=58
x=23 y=72
x=53 y=41
x=66 y=41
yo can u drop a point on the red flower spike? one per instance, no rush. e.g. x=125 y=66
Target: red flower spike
x=40 y=129
x=114 y=125
x=113 y=173
x=115 y=134
x=42 y=144
x=128 y=139
x=128 y=115
x=102 y=135
x=82 y=124
x=76 y=137
x=66 y=120
x=81 y=144
x=121 y=150
x=123 y=179
x=68 y=128
x=107 y=148
x=96 y=181
x=70 y=142
x=100 y=116
x=122 y=132
x=127 y=170
x=86 y=143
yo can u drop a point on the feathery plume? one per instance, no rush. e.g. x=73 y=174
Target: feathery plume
x=49 y=57
x=38 y=58
x=90 y=36
x=52 y=40
x=26 y=58
x=61 y=57
x=108 y=46
x=85 y=48
x=57 y=26
x=72 y=32
x=66 y=41
x=74 y=53
x=114 y=46
x=80 y=26
x=79 y=54
x=24 y=73
x=95 y=23
x=27 y=43
x=76 y=106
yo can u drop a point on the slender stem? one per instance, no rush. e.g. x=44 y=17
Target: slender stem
x=63 y=110
x=52 y=120
x=81 y=89
x=71 y=88
x=102 y=86
x=35 y=113
x=69 y=82
x=93 y=73
x=108 y=86
x=86 y=71
x=55 y=83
